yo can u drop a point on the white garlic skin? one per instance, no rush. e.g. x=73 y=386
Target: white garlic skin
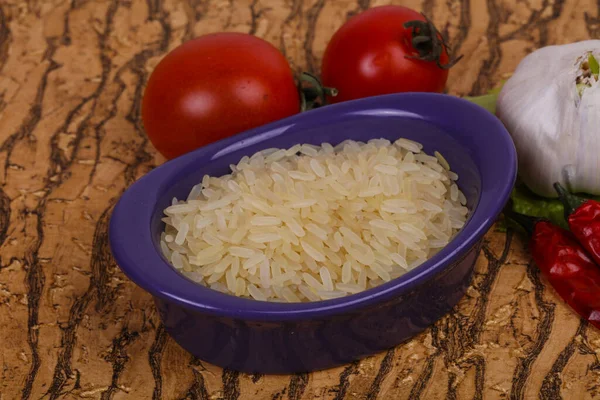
x=556 y=133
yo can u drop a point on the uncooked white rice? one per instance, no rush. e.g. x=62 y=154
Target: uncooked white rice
x=315 y=222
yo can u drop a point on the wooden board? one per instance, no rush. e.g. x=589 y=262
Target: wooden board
x=72 y=326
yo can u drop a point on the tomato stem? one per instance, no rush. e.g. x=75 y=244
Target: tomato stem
x=429 y=43
x=312 y=92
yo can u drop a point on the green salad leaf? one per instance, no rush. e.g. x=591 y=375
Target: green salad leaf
x=487 y=101
x=528 y=203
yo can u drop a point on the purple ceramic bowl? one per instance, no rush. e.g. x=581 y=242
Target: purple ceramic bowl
x=254 y=336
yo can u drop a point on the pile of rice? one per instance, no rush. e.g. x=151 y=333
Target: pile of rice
x=315 y=222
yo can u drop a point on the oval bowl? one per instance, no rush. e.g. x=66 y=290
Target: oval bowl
x=267 y=337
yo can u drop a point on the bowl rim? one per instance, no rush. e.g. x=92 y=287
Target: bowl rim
x=146 y=266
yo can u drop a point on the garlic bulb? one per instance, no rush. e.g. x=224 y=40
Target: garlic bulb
x=551 y=107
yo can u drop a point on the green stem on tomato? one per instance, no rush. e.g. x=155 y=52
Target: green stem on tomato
x=429 y=43
x=312 y=92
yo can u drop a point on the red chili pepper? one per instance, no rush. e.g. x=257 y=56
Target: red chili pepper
x=583 y=217
x=566 y=265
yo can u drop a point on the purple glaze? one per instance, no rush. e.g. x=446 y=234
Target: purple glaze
x=265 y=337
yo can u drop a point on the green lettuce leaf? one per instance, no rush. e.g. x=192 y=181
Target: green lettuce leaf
x=487 y=101
x=528 y=203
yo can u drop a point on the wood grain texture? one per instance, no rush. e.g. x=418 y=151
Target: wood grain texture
x=72 y=74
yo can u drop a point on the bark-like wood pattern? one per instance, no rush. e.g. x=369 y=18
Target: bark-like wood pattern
x=72 y=326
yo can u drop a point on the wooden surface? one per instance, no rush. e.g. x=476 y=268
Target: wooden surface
x=72 y=326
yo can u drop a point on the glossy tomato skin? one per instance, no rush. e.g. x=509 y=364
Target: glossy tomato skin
x=367 y=57
x=216 y=86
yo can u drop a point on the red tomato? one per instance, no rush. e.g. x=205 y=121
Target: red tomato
x=213 y=87
x=367 y=56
